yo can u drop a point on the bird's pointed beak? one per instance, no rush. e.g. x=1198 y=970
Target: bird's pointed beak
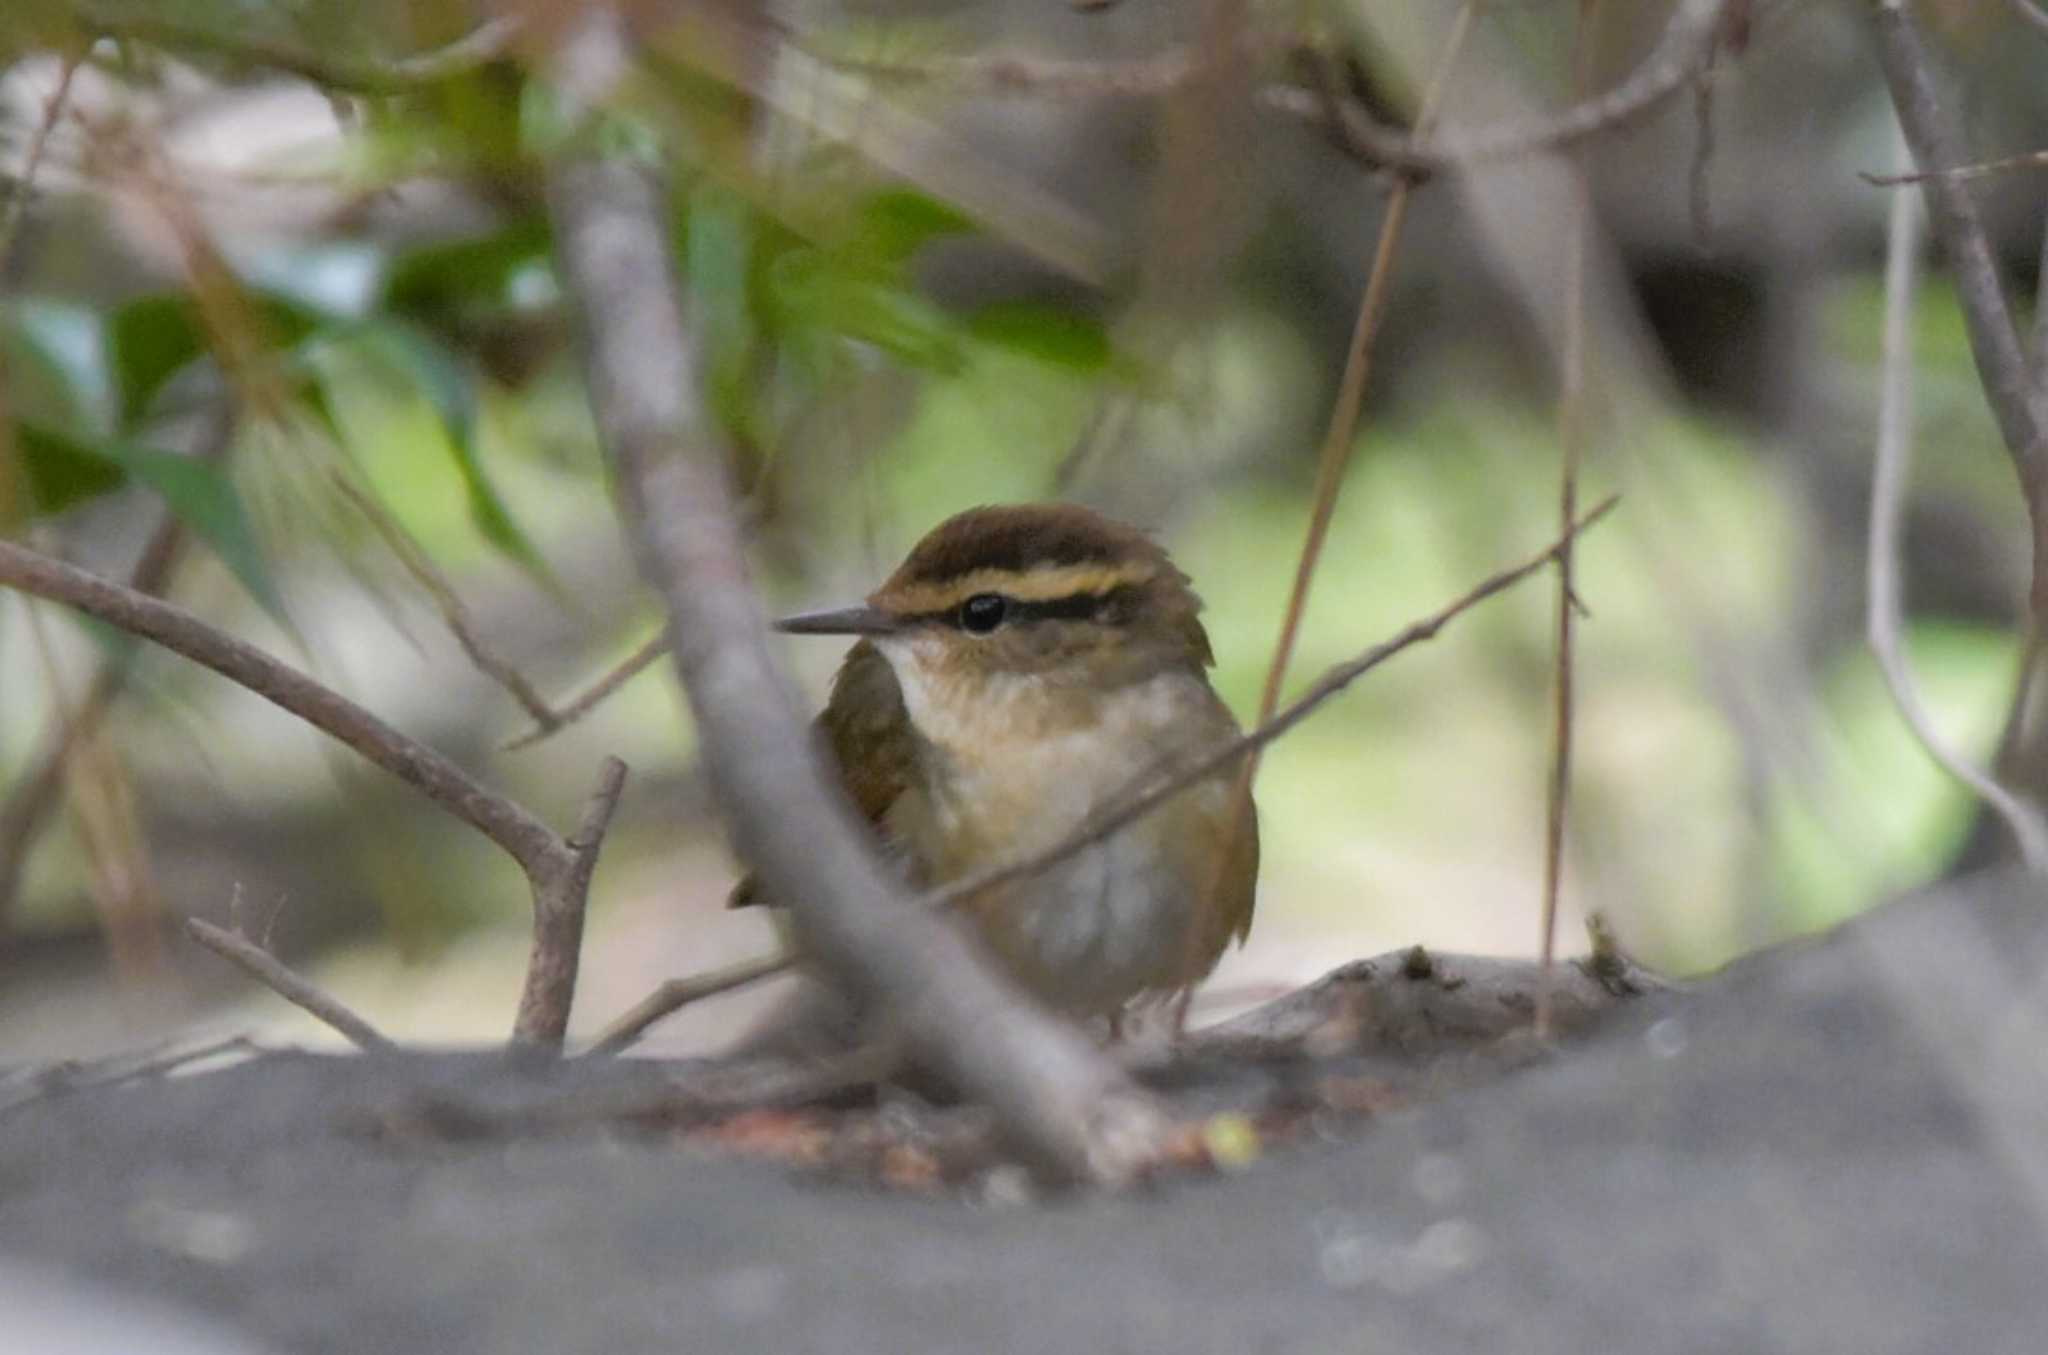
x=861 y=620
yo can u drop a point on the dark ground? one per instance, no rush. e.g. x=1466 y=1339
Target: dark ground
x=1838 y=1146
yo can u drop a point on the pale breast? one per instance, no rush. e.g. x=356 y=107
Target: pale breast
x=1126 y=916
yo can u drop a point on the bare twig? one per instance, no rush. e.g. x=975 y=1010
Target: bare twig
x=486 y=43
x=524 y=837
x=294 y=988
x=556 y=870
x=1337 y=446
x=1961 y=173
x=1343 y=426
x=70 y=1075
x=559 y=897
x=677 y=994
x=453 y=614
x=587 y=700
x=1571 y=436
x=1071 y=1108
x=1883 y=618
x=1334 y=680
x=15 y=204
x=2020 y=407
x=1680 y=54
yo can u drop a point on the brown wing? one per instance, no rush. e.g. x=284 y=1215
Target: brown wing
x=867 y=732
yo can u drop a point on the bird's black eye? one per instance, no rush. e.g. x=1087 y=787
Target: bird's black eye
x=983 y=612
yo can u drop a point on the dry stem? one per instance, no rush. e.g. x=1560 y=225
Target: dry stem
x=676 y=994
x=294 y=988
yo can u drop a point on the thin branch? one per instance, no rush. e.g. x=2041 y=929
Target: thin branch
x=557 y=871
x=1071 y=1108
x=1883 y=619
x=488 y=42
x=580 y=705
x=676 y=994
x=1333 y=681
x=2033 y=13
x=453 y=614
x=265 y=968
x=560 y=898
x=1982 y=169
x=15 y=206
x=529 y=841
x=2020 y=407
x=1571 y=436
x=1681 y=52
x=1335 y=455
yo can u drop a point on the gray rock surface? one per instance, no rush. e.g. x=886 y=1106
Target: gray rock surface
x=1838 y=1146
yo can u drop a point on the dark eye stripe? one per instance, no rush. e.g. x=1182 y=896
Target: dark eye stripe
x=1078 y=607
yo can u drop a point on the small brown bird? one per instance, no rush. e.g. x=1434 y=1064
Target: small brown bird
x=1025 y=667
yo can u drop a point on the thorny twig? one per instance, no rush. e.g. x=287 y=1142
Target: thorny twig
x=294 y=988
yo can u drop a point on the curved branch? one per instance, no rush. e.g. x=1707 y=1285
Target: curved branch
x=1682 y=51
x=1905 y=233
x=557 y=871
x=529 y=841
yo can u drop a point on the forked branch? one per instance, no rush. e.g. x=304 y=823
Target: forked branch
x=557 y=870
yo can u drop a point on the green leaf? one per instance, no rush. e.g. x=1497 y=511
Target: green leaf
x=892 y=225
x=447 y=386
x=60 y=471
x=152 y=338
x=48 y=363
x=64 y=471
x=814 y=290
x=454 y=277
x=718 y=253
x=1048 y=333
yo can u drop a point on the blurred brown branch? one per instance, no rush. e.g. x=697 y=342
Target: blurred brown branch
x=1069 y=1106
